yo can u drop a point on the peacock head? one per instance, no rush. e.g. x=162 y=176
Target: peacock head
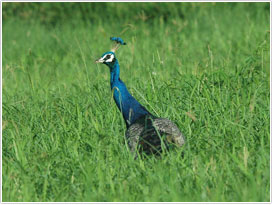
x=108 y=58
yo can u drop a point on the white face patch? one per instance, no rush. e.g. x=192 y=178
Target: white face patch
x=108 y=58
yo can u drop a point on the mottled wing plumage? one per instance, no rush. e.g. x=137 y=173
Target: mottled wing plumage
x=168 y=127
x=149 y=133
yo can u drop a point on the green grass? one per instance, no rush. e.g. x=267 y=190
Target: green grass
x=63 y=137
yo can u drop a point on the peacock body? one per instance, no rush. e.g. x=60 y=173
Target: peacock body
x=144 y=130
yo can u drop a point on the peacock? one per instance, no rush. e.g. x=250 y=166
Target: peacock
x=145 y=132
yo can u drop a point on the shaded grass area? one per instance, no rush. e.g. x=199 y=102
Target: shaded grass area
x=63 y=137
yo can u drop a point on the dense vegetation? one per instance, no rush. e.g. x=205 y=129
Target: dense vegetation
x=205 y=66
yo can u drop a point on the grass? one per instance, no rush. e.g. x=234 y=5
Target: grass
x=63 y=137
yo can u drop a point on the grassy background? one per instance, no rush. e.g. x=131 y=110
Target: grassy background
x=205 y=66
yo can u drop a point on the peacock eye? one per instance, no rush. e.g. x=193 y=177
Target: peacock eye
x=107 y=57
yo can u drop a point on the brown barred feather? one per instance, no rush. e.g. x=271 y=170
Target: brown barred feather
x=149 y=133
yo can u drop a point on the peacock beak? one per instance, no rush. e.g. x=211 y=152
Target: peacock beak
x=100 y=60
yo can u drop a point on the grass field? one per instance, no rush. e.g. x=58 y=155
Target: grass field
x=208 y=71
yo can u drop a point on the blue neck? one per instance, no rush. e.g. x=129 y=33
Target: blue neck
x=130 y=108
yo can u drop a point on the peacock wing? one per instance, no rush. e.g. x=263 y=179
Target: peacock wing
x=166 y=126
x=146 y=131
x=133 y=134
